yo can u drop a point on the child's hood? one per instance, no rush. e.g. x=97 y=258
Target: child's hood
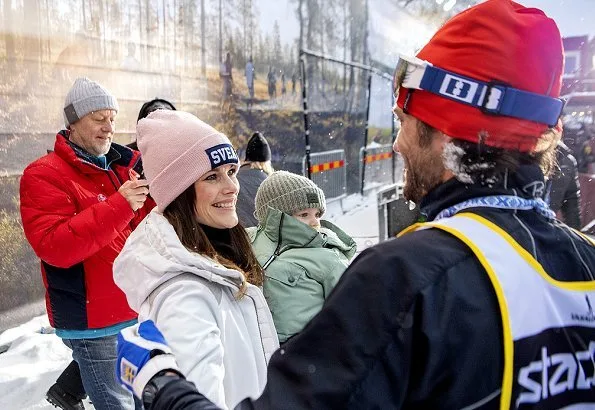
x=290 y=232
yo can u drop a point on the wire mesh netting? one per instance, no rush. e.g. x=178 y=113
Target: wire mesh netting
x=338 y=106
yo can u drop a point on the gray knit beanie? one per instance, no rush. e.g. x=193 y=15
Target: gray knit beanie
x=84 y=97
x=288 y=193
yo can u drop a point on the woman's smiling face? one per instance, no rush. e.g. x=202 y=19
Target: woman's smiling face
x=216 y=196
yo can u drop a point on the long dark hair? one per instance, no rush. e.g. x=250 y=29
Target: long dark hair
x=181 y=214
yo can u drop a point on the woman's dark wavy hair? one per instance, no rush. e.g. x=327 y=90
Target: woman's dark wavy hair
x=181 y=214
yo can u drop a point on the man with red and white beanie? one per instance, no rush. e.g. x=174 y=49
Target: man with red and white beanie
x=488 y=304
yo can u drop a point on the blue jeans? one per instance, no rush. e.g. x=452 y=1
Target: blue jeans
x=97 y=361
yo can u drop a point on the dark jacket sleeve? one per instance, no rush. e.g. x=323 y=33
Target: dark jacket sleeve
x=181 y=395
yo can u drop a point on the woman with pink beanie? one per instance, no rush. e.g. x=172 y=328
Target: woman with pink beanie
x=189 y=265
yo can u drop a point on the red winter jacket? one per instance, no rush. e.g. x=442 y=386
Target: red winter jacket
x=77 y=222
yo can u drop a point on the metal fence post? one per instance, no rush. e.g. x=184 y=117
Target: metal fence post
x=306 y=119
x=369 y=94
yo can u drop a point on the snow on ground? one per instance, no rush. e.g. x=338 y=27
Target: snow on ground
x=358 y=217
x=31 y=365
x=36 y=357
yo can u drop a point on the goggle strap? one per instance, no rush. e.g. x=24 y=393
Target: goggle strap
x=490 y=97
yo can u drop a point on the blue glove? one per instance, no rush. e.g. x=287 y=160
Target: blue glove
x=142 y=353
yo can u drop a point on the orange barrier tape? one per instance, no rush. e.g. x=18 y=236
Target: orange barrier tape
x=378 y=157
x=325 y=166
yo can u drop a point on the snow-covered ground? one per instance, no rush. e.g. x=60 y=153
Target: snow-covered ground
x=36 y=357
x=358 y=217
x=31 y=365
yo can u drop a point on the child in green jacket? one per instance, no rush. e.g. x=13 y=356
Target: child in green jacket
x=302 y=255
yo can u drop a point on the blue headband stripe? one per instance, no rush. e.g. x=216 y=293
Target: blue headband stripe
x=492 y=98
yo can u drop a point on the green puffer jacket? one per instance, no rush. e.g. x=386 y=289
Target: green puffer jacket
x=301 y=267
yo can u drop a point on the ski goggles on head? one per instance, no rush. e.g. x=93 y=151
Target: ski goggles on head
x=489 y=97
x=407 y=73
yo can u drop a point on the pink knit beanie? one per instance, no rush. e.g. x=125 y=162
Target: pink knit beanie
x=177 y=149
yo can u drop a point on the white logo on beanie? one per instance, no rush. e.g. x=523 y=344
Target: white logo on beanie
x=222 y=154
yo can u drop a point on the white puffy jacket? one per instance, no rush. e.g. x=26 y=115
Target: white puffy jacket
x=222 y=344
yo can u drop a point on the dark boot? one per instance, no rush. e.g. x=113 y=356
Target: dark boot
x=70 y=381
x=59 y=398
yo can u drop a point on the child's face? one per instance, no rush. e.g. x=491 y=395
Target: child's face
x=309 y=216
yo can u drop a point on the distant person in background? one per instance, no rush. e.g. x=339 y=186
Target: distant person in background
x=293 y=78
x=587 y=181
x=255 y=169
x=283 y=85
x=587 y=154
x=563 y=188
x=226 y=77
x=79 y=204
x=303 y=256
x=250 y=76
x=272 y=82
x=131 y=63
x=376 y=141
x=148 y=108
x=576 y=137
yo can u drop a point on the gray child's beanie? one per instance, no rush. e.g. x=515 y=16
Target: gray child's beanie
x=287 y=192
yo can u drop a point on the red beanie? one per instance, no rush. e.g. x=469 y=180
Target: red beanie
x=500 y=41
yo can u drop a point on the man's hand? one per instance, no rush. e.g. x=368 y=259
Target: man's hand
x=135 y=192
x=142 y=353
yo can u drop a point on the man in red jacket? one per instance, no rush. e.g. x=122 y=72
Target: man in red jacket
x=79 y=203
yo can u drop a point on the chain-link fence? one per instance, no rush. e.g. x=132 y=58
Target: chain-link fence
x=327 y=170
x=337 y=108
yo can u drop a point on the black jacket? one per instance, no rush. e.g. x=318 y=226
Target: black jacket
x=250 y=180
x=414 y=322
x=564 y=188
